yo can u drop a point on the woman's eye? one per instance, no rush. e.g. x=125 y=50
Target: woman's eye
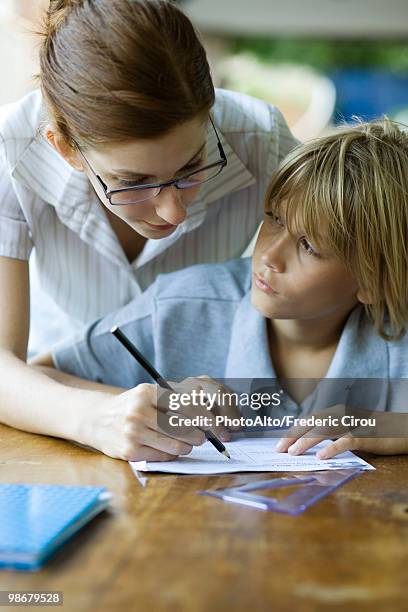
x=307 y=247
x=193 y=166
x=124 y=183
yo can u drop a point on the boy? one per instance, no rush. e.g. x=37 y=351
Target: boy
x=326 y=296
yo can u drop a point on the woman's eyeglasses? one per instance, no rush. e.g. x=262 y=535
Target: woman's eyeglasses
x=146 y=191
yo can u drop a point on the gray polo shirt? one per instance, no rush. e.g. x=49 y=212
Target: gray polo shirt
x=200 y=320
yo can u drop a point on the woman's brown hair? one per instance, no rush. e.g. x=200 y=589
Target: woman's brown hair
x=115 y=70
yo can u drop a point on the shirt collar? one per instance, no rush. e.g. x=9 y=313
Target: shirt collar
x=42 y=170
x=234 y=177
x=46 y=173
x=360 y=354
x=248 y=355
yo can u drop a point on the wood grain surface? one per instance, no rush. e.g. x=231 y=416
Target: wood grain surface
x=163 y=547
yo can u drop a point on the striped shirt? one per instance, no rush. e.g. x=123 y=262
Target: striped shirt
x=50 y=209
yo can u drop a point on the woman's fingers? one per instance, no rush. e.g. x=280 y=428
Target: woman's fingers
x=147 y=418
x=166 y=444
x=222 y=398
x=146 y=453
x=191 y=403
x=187 y=418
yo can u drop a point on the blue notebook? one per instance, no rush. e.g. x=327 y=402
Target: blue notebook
x=35 y=520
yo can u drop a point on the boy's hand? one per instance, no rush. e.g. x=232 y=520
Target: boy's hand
x=300 y=439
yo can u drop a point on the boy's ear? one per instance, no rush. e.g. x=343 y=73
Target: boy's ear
x=364 y=297
x=63 y=148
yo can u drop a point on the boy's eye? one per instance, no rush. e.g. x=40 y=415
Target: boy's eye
x=276 y=220
x=307 y=247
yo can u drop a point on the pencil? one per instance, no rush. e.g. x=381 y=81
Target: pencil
x=162 y=382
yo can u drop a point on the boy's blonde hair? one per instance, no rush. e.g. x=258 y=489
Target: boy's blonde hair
x=348 y=193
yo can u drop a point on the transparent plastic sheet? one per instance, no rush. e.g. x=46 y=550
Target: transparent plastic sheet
x=309 y=490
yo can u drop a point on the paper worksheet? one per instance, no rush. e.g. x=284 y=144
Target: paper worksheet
x=250 y=455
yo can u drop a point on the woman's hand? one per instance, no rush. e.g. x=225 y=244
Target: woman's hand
x=137 y=424
x=298 y=440
x=214 y=391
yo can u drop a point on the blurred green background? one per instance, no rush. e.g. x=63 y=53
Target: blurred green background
x=320 y=61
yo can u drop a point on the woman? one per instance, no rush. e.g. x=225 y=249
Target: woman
x=126 y=165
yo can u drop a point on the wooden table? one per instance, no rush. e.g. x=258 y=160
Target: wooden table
x=163 y=547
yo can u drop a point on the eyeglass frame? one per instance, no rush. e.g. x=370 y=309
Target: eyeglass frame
x=160 y=186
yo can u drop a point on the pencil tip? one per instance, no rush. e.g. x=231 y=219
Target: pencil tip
x=226 y=453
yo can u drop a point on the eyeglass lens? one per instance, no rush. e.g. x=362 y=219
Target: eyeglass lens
x=139 y=195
